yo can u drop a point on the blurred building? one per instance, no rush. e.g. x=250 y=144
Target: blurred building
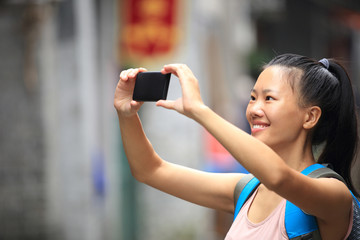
x=63 y=172
x=58 y=73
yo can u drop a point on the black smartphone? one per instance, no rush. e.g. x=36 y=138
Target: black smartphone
x=151 y=86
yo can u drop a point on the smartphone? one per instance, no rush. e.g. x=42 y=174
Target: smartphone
x=151 y=86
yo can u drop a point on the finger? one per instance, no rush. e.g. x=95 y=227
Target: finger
x=168 y=104
x=186 y=78
x=141 y=69
x=134 y=72
x=170 y=68
x=124 y=74
x=136 y=105
x=182 y=71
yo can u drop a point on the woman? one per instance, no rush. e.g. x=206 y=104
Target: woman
x=296 y=103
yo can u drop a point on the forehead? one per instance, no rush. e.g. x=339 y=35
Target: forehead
x=276 y=78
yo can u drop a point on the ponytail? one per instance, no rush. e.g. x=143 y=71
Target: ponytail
x=342 y=138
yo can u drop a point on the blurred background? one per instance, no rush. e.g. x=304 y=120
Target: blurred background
x=63 y=172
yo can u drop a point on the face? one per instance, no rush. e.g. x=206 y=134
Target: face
x=273 y=112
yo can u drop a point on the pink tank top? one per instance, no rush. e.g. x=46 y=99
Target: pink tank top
x=273 y=227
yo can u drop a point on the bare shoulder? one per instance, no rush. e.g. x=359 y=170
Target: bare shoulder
x=337 y=194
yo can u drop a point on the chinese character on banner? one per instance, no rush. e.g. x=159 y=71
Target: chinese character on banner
x=148 y=29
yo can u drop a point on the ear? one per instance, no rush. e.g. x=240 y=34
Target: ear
x=312 y=117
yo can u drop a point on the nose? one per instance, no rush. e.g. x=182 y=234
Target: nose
x=255 y=109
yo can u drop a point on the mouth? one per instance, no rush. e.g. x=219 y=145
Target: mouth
x=258 y=127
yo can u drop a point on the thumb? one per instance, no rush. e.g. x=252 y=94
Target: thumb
x=136 y=105
x=168 y=104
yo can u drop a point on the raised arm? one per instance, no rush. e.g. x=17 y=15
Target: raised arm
x=206 y=189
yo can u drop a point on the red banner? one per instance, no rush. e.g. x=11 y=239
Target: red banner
x=149 y=27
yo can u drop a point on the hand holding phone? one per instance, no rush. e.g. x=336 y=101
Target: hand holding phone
x=151 y=86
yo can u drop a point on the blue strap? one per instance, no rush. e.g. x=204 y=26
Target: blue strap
x=245 y=193
x=312 y=168
x=297 y=222
x=355 y=199
x=254 y=183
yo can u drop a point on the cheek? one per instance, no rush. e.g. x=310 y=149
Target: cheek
x=279 y=117
x=289 y=120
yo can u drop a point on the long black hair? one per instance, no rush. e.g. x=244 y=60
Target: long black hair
x=328 y=86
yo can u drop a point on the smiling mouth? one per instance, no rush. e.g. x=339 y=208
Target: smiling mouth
x=259 y=126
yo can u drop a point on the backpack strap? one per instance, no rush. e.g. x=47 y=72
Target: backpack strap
x=307 y=229
x=241 y=185
x=243 y=190
x=325 y=172
x=298 y=224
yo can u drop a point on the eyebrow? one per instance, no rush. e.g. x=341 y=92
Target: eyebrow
x=267 y=90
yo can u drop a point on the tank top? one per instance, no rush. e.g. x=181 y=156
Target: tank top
x=273 y=227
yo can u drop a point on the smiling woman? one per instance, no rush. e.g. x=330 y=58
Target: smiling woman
x=296 y=102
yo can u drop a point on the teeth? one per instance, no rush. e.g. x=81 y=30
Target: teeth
x=259 y=126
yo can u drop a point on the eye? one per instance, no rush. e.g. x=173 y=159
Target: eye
x=252 y=98
x=269 y=98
